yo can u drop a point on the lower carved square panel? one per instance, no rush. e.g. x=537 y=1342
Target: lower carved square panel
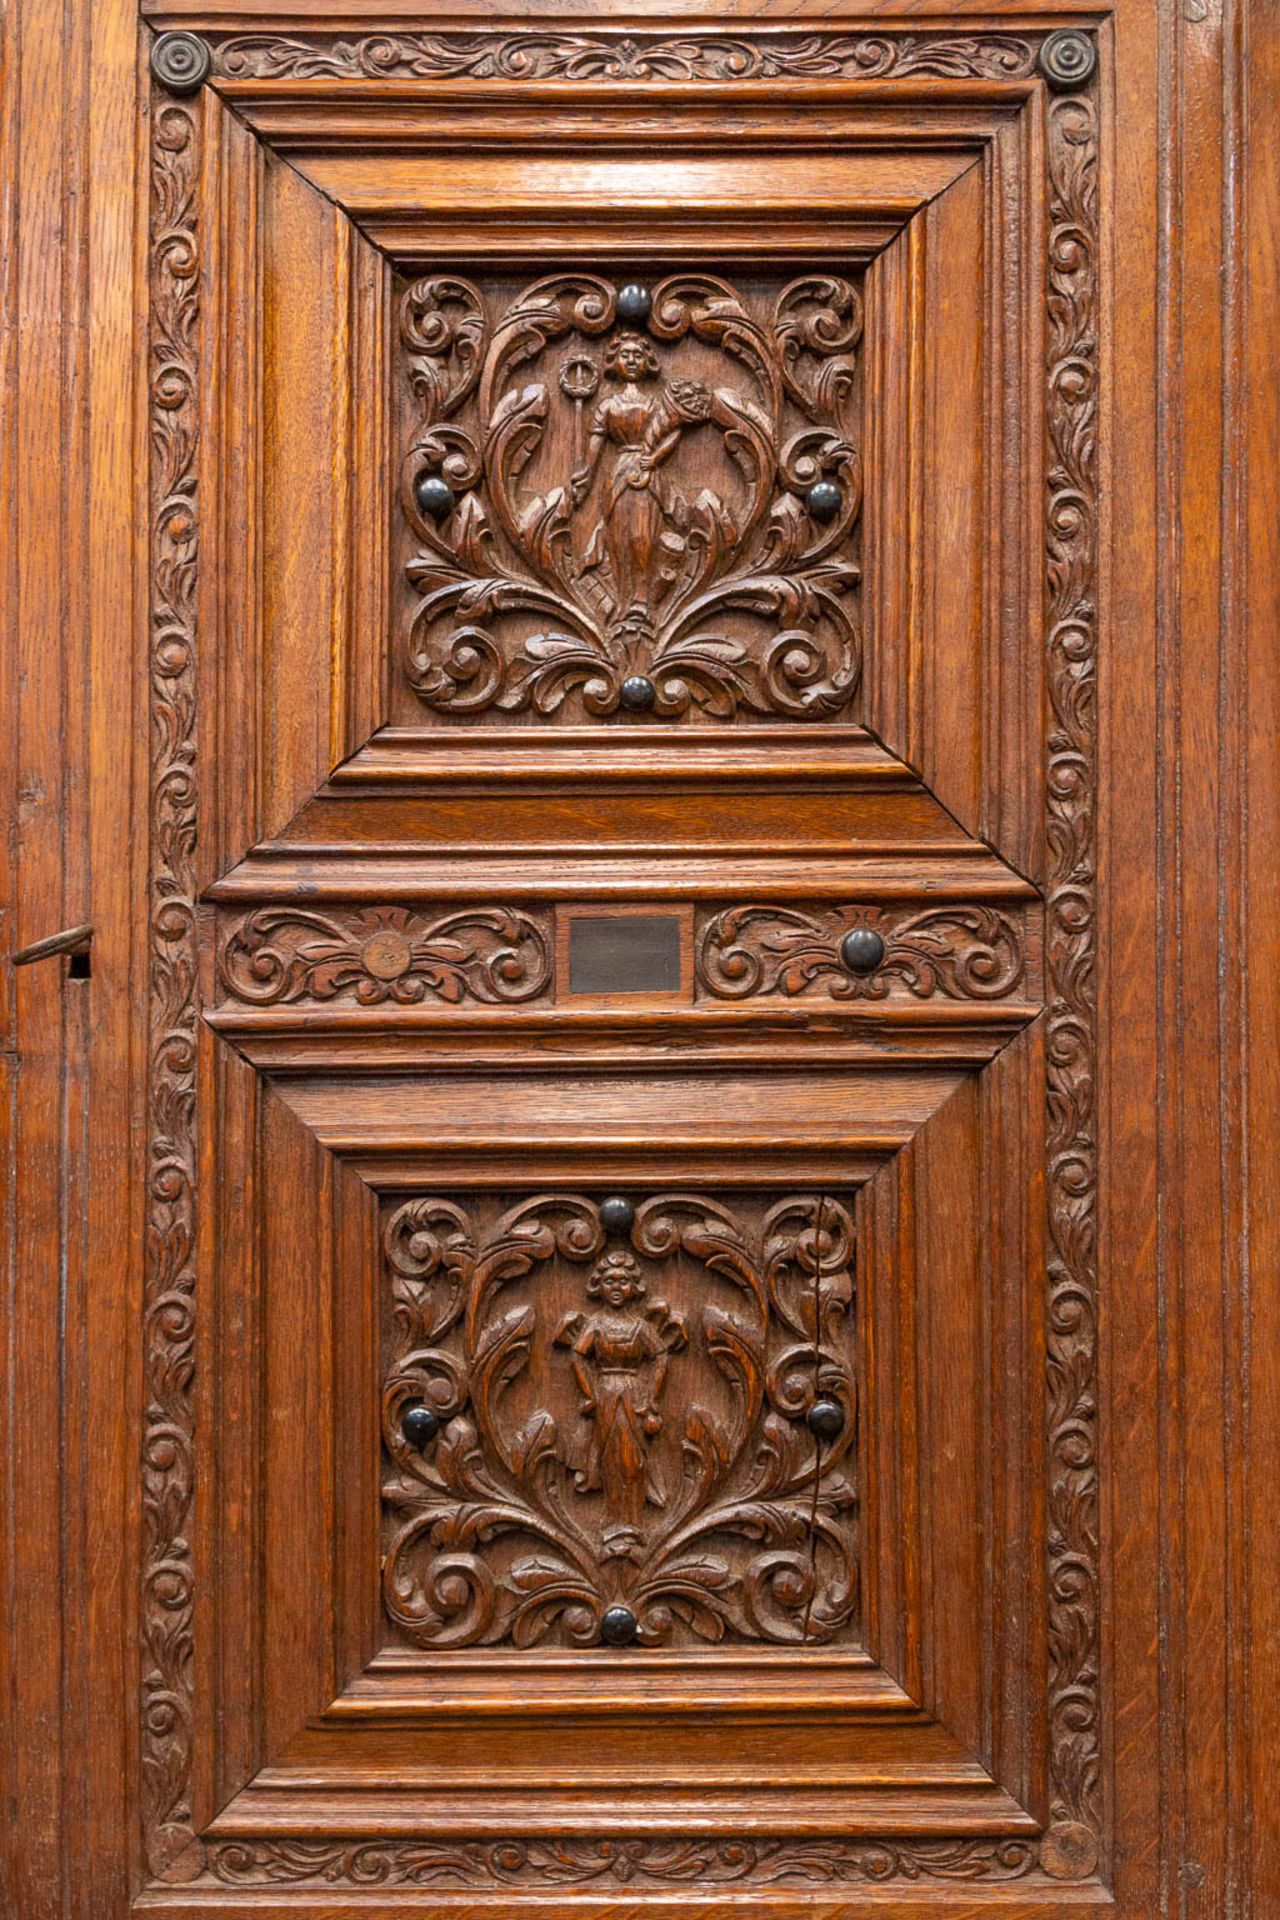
x=619 y=1422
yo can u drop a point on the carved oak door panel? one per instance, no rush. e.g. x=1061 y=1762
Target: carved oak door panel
x=620 y=1343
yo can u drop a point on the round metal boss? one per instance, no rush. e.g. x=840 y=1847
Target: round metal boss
x=419 y=1425
x=637 y=694
x=862 y=950
x=433 y=495
x=180 y=62
x=825 y=1420
x=616 y=1214
x=635 y=304
x=618 y=1627
x=823 y=500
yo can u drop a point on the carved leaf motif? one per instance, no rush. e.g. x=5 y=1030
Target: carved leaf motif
x=279 y=955
x=631 y=501
x=959 y=952
x=566 y=1478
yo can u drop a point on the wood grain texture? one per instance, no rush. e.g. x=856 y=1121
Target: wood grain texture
x=1110 y=368
x=72 y=587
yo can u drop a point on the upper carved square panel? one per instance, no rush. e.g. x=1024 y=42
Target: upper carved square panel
x=629 y=499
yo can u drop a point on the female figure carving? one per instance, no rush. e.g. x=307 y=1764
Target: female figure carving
x=620 y=1359
x=638 y=506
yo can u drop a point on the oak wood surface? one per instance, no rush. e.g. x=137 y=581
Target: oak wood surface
x=324 y=991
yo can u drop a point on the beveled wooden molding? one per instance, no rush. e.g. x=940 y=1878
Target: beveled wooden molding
x=1071 y=1849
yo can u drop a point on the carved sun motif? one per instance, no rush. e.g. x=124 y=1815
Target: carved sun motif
x=637 y=501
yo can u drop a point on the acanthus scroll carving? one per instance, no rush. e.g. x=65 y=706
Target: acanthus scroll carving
x=278 y=955
x=619 y=1422
x=169 y=1291
x=957 y=952
x=633 y=499
x=563 y=1861
x=1071 y=1346
x=549 y=54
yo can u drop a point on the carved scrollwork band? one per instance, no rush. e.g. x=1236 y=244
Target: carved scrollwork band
x=169 y=1286
x=599 y=1447
x=637 y=498
x=1071 y=582
x=278 y=955
x=956 y=952
x=572 y=1862
x=624 y=57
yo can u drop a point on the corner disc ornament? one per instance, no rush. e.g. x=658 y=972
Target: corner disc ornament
x=180 y=62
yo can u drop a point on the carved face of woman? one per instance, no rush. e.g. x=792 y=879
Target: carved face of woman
x=616 y=1281
x=632 y=360
x=617 y=1288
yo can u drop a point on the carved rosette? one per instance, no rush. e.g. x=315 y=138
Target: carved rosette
x=603 y=1444
x=279 y=955
x=664 y=498
x=956 y=952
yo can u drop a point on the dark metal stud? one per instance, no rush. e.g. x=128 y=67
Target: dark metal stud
x=433 y=495
x=825 y=1420
x=419 y=1425
x=823 y=500
x=862 y=950
x=635 y=304
x=637 y=694
x=616 y=1214
x=180 y=62
x=1068 y=59
x=618 y=1627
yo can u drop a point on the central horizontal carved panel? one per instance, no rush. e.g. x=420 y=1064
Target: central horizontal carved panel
x=617 y=1422
x=630 y=500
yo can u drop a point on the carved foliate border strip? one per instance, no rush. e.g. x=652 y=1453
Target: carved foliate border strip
x=1070 y=1850
x=169 y=1284
x=615 y=1862
x=584 y=57
x=1071 y=583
